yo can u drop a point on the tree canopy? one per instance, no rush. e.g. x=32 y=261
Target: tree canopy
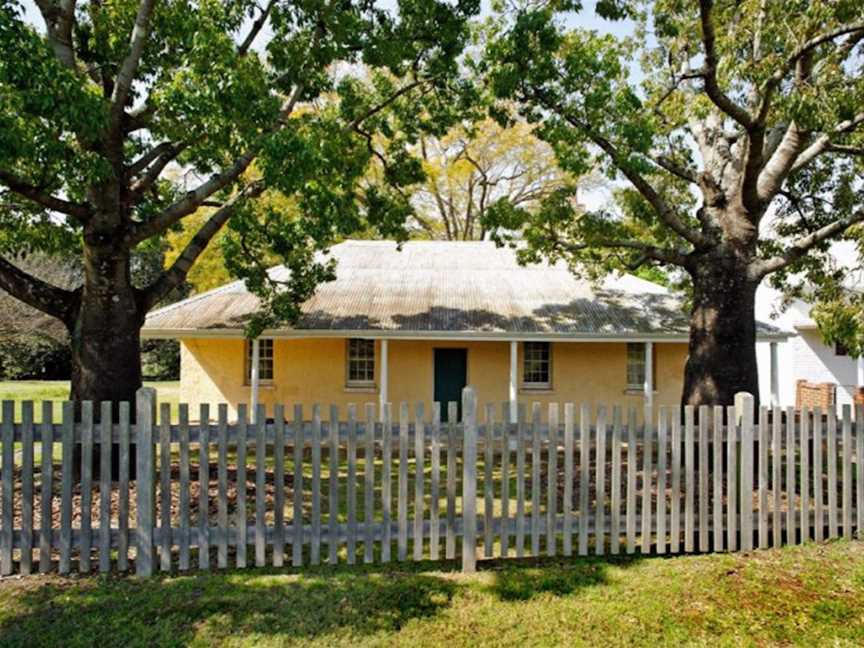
x=735 y=128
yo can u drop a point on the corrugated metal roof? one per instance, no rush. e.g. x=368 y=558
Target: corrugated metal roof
x=449 y=287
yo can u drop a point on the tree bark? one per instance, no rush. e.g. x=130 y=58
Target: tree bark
x=106 y=340
x=722 y=351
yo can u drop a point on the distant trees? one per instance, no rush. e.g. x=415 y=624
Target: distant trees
x=472 y=167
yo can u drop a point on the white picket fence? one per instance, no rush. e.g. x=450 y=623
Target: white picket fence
x=600 y=481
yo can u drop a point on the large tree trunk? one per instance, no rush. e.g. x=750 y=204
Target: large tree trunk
x=105 y=338
x=722 y=358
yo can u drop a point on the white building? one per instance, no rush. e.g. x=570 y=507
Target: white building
x=804 y=356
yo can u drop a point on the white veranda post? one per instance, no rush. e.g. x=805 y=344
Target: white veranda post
x=514 y=360
x=255 y=376
x=383 y=394
x=649 y=373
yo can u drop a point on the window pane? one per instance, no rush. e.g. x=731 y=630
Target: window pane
x=536 y=363
x=265 y=360
x=361 y=361
x=635 y=365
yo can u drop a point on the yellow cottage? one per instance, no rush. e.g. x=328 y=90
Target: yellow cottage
x=419 y=323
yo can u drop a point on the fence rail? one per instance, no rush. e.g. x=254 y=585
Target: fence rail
x=387 y=486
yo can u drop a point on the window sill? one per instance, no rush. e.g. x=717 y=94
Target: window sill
x=267 y=386
x=539 y=389
x=361 y=389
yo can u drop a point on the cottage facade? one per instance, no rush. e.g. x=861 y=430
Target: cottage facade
x=420 y=322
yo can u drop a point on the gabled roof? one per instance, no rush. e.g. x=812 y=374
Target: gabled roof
x=446 y=289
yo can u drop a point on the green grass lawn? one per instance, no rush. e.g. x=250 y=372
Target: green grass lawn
x=807 y=596
x=58 y=390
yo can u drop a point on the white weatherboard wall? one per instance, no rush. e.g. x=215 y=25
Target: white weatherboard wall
x=802 y=357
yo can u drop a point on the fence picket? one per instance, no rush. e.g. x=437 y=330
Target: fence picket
x=315 y=543
x=631 y=481
x=450 y=539
x=831 y=460
x=689 y=478
x=185 y=532
x=165 y=487
x=818 y=499
x=520 y=482
x=718 y=479
x=552 y=483
x=66 y=470
x=536 y=460
x=419 y=473
x=647 y=470
x=333 y=504
x=241 y=522
x=434 y=487
x=386 y=482
x=105 y=423
x=351 y=491
x=731 y=479
x=278 y=485
x=584 y=475
x=469 y=480
x=369 y=485
x=6 y=522
x=297 y=515
x=488 y=492
x=704 y=422
x=46 y=500
x=746 y=490
x=859 y=464
x=804 y=488
x=675 y=495
x=204 y=486
x=600 y=484
x=222 y=487
x=662 y=450
x=145 y=476
x=25 y=564
x=85 y=532
x=847 y=472
x=125 y=429
x=506 y=428
x=763 y=477
x=615 y=495
x=402 y=513
x=260 y=483
x=790 y=476
x=776 y=478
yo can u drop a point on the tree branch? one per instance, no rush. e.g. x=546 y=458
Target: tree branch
x=20 y=186
x=256 y=28
x=709 y=76
x=129 y=66
x=803 y=245
x=176 y=274
x=822 y=143
x=663 y=255
x=34 y=292
x=59 y=19
x=144 y=161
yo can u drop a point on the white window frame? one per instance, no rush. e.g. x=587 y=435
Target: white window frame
x=349 y=357
x=532 y=384
x=266 y=352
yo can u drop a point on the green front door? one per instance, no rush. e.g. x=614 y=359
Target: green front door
x=451 y=375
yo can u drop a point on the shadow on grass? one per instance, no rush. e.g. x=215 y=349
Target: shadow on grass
x=268 y=604
x=523 y=580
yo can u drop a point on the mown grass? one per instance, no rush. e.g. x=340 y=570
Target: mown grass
x=812 y=595
x=58 y=391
